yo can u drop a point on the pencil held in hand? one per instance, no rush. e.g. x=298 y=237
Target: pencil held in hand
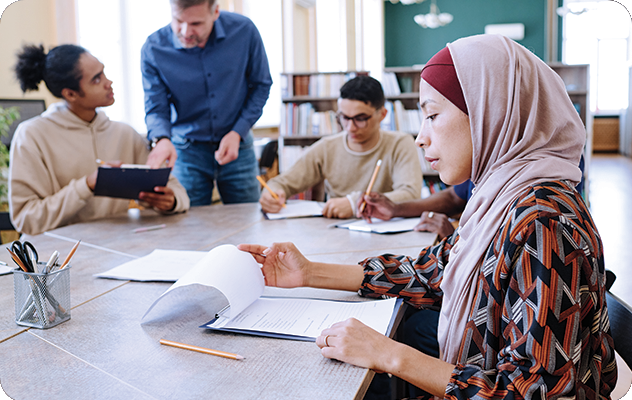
x=370 y=187
x=265 y=185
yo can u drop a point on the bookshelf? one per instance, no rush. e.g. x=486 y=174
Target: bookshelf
x=577 y=81
x=401 y=89
x=308 y=110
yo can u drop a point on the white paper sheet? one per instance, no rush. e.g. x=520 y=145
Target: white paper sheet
x=159 y=266
x=394 y=225
x=306 y=317
x=5 y=270
x=298 y=209
x=233 y=272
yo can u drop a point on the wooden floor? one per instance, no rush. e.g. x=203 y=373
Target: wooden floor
x=610 y=195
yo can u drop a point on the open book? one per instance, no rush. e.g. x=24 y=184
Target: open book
x=239 y=278
x=298 y=209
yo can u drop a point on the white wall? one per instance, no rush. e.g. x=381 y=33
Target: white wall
x=25 y=22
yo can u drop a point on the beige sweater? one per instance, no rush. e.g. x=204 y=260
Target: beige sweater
x=52 y=154
x=347 y=173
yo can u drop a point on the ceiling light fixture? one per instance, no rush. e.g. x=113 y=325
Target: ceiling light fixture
x=434 y=19
x=406 y=2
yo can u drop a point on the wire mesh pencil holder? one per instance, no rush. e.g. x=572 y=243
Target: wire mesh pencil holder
x=42 y=300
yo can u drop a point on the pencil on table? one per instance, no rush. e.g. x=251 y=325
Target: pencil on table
x=370 y=187
x=201 y=349
x=265 y=185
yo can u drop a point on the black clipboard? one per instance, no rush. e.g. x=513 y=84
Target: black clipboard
x=127 y=183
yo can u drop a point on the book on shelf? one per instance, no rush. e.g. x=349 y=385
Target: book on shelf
x=301 y=85
x=241 y=306
x=303 y=120
x=403 y=120
x=316 y=85
x=432 y=185
x=390 y=84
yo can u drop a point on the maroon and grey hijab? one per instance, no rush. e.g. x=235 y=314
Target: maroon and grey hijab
x=524 y=130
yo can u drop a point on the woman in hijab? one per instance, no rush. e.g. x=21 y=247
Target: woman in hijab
x=521 y=284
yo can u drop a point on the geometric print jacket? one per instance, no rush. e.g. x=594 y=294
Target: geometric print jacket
x=538 y=328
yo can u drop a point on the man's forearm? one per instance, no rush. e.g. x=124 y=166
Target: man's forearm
x=445 y=202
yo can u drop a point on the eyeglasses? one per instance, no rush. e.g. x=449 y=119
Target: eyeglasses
x=360 y=121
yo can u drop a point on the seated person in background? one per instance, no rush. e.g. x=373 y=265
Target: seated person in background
x=346 y=161
x=435 y=210
x=53 y=166
x=521 y=285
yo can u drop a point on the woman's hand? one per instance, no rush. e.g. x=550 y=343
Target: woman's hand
x=283 y=265
x=355 y=343
x=377 y=206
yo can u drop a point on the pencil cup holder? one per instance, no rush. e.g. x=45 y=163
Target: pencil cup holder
x=42 y=300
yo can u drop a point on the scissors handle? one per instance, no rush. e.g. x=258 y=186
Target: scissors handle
x=26 y=253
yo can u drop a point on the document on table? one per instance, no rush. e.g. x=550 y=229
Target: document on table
x=238 y=277
x=5 y=270
x=395 y=225
x=298 y=209
x=157 y=266
x=304 y=319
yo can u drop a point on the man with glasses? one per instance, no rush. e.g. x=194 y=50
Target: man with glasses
x=345 y=161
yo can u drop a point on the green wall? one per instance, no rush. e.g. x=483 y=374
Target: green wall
x=406 y=43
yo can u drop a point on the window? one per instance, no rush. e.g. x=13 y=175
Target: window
x=101 y=29
x=115 y=31
x=267 y=17
x=598 y=33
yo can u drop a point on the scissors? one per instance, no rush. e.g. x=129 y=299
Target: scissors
x=26 y=253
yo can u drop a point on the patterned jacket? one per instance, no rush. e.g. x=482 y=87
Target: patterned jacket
x=539 y=326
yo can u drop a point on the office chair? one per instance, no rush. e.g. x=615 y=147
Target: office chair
x=620 y=315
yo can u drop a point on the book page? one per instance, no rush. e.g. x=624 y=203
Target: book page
x=305 y=317
x=233 y=272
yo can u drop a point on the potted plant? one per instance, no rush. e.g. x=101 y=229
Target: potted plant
x=7 y=117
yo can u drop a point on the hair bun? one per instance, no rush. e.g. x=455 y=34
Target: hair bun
x=30 y=67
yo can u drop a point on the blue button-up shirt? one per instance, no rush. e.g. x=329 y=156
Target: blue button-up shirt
x=204 y=93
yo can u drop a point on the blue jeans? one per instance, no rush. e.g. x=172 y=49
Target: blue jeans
x=197 y=170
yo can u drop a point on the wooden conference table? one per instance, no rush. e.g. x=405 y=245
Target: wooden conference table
x=104 y=352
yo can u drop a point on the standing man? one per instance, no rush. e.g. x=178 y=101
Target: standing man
x=206 y=79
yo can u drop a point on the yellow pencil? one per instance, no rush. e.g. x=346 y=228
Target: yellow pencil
x=370 y=187
x=201 y=349
x=265 y=185
x=72 y=252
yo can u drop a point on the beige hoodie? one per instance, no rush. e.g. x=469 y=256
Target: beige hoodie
x=52 y=154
